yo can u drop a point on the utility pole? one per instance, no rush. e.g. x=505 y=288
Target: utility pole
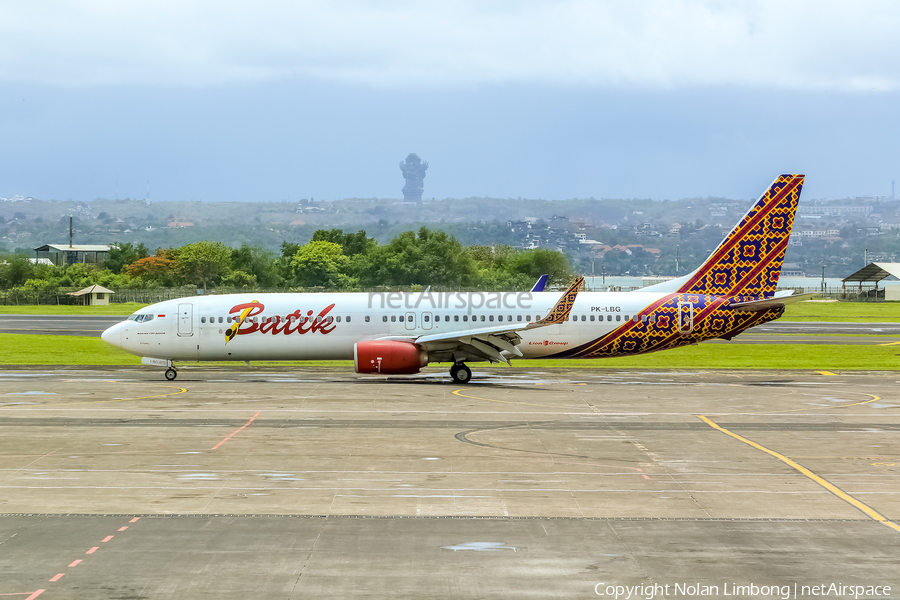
x=823 y=278
x=677 y=248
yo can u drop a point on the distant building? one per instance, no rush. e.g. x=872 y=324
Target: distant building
x=65 y=254
x=95 y=295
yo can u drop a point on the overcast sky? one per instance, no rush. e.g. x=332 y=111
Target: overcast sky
x=219 y=100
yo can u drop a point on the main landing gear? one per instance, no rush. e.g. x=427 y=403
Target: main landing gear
x=171 y=374
x=461 y=373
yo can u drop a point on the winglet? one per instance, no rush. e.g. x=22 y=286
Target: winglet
x=560 y=312
x=539 y=286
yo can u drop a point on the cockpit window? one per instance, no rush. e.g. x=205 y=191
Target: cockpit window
x=141 y=318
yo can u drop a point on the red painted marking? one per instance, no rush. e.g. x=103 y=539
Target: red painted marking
x=57 y=577
x=238 y=431
x=92 y=550
x=645 y=477
x=134 y=519
x=106 y=539
x=123 y=528
x=35 y=595
x=75 y=563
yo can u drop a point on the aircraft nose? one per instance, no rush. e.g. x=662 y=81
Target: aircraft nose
x=113 y=335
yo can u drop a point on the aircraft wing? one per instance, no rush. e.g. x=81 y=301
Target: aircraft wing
x=491 y=342
x=779 y=299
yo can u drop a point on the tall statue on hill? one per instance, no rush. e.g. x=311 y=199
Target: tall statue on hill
x=413 y=169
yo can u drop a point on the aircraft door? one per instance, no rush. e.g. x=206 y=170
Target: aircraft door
x=685 y=317
x=426 y=320
x=410 y=320
x=185 y=320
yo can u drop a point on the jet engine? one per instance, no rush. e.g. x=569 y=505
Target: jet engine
x=388 y=357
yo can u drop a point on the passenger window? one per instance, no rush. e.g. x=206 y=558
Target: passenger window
x=509 y=317
x=455 y=317
x=220 y=319
x=491 y=318
x=367 y=318
x=203 y=319
x=592 y=317
x=446 y=318
x=653 y=318
x=583 y=318
x=338 y=319
x=393 y=318
x=482 y=317
x=626 y=317
x=348 y=319
x=401 y=318
x=499 y=317
x=529 y=318
x=465 y=317
x=384 y=318
x=426 y=318
x=609 y=317
x=618 y=317
x=518 y=317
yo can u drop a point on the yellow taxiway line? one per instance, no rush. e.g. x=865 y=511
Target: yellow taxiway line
x=871 y=512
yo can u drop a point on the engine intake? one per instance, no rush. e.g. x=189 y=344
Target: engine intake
x=388 y=357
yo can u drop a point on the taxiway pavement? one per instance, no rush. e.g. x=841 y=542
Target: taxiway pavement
x=319 y=483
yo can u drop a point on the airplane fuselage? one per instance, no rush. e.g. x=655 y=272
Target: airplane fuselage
x=326 y=326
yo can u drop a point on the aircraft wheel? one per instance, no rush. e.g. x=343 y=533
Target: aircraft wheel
x=171 y=374
x=461 y=373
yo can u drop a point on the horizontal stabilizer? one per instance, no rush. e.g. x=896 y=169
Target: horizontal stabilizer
x=767 y=303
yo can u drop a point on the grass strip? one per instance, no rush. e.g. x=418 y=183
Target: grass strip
x=842 y=311
x=124 y=308
x=18 y=349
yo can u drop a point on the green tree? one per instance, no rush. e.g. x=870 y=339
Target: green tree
x=122 y=254
x=15 y=270
x=257 y=262
x=423 y=258
x=539 y=261
x=321 y=264
x=203 y=261
x=351 y=243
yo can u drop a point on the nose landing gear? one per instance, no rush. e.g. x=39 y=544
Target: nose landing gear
x=461 y=373
x=171 y=374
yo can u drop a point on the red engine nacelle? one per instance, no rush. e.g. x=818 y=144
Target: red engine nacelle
x=388 y=357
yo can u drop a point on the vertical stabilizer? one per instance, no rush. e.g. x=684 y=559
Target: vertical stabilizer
x=748 y=262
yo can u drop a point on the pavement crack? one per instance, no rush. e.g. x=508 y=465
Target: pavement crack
x=308 y=557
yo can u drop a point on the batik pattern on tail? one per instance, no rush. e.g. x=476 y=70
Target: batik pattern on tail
x=673 y=321
x=748 y=262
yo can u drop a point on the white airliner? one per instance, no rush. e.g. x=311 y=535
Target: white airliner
x=399 y=333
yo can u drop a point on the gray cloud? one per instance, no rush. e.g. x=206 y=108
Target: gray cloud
x=662 y=44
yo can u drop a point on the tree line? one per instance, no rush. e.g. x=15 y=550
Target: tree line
x=332 y=259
